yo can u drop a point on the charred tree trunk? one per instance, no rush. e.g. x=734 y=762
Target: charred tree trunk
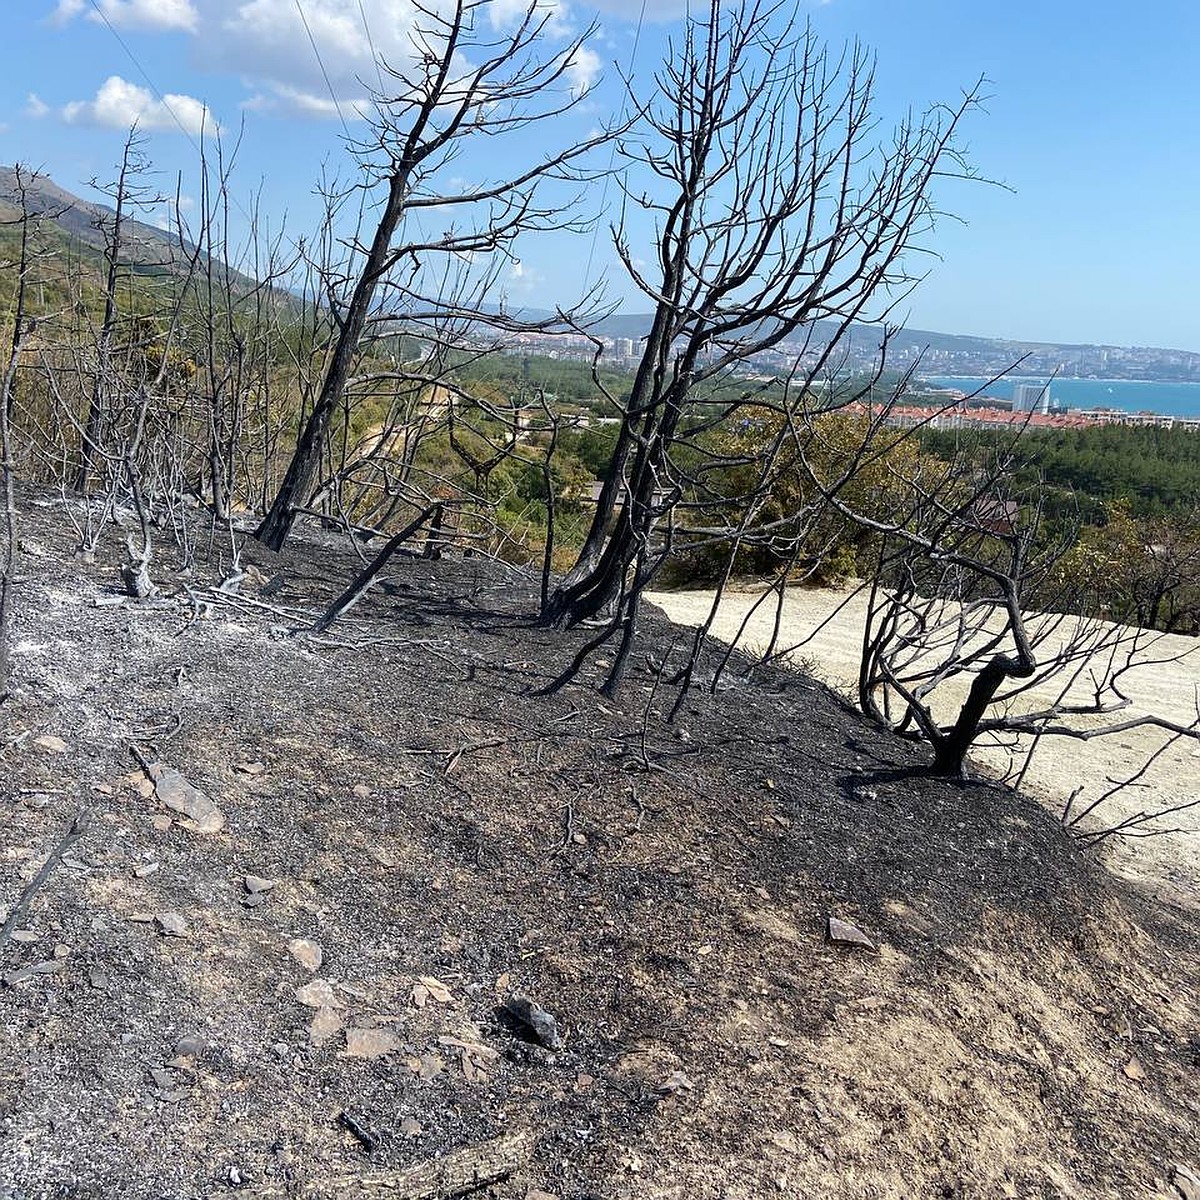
x=98 y=403
x=610 y=551
x=22 y=329
x=463 y=81
x=950 y=750
x=294 y=491
x=8 y=527
x=559 y=608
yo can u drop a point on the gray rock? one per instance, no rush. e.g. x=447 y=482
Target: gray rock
x=50 y=967
x=318 y=994
x=843 y=933
x=536 y=1019
x=171 y=924
x=182 y=797
x=307 y=953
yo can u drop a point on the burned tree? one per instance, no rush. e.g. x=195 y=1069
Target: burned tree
x=462 y=82
x=24 y=326
x=950 y=653
x=128 y=193
x=774 y=208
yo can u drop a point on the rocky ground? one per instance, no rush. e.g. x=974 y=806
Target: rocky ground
x=277 y=956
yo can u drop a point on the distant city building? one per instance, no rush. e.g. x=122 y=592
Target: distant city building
x=624 y=347
x=1031 y=397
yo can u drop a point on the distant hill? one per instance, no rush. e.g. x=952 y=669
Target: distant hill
x=635 y=325
x=964 y=354
x=84 y=222
x=80 y=226
x=149 y=249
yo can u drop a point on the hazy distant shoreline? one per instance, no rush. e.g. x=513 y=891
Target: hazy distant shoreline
x=1183 y=383
x=1170 y=398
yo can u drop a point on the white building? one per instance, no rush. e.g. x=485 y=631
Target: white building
x=1031 y=397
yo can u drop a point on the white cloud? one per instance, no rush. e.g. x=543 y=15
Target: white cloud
x=119 y=104
x=632 y=10
x=271 y=42
x=506 y=14
x=268 y=44
x=522 y=280
x=297 y=58
x=168 y=214
x=35 y=106
x=305 y=104
x=66 y=11
x=583 y=70
x=156 y=15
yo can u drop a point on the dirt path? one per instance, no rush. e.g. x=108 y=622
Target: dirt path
x=1171 y=860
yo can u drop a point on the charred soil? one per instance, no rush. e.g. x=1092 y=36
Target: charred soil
x=395 y=796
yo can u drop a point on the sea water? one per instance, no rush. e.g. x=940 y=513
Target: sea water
x=1132 y=395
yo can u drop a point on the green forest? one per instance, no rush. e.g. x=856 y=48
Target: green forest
x=1155 y=472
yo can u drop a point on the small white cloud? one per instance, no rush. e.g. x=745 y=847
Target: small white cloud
x=305 y=104
x=522 y=280
x=119 y=104
x=35 y=106
x=506 y=14
x=168 y=214
x=157 y=15
x=651 y=10
x=67 y=10
x=583 y=70
x=301 y=103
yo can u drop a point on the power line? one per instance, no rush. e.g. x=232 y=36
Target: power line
x=362 y=12
x=133 y=58
x=378 y=61
x=187 y=133
x=612 y=156
x=320 y=63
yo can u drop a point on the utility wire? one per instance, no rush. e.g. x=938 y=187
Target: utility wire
x=612 y=155
x=362 y=12
x=133 y=58
x=187 y=133
x=312 y=41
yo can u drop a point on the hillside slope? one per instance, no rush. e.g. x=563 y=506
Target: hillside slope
x=72 y=239
x=83 y=222
x=1028 y=1026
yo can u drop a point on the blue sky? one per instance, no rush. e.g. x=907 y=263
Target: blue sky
x=1092 y=122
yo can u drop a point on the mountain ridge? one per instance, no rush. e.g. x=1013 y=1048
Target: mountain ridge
x=147 y=245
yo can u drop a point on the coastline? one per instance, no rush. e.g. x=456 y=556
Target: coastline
x=1176 y=399
x=1008 y=377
